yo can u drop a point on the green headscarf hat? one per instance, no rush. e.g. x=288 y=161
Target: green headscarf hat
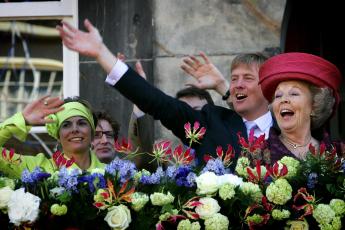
x=71 y=109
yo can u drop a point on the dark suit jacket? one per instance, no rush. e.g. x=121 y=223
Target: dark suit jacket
x=222 y=125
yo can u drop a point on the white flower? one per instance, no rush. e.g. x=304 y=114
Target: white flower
x=5 y=195
x=23 y=207
x=118 y=217
x=161 y=199
x=139 y=200
x=230 y=179
x=217 y=222
x=207 y=183
x=208 y=208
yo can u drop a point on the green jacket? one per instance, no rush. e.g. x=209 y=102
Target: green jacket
x=15 y=126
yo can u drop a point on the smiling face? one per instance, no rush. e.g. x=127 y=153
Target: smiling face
x=292 y=106
x=245 y=92
x=75 y=135
x=103 y=142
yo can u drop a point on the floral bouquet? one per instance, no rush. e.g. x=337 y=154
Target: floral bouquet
x=288 y=194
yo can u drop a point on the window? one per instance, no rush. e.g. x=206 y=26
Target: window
x=33 y=61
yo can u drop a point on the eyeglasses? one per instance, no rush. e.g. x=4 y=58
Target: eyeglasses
x=108 y=134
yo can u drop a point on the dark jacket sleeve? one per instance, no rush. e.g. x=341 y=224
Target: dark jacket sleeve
x=172 y=113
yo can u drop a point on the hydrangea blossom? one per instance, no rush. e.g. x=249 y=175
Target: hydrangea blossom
x=280 y=214
x=334 y=225
x=227 y=191
x=251 y=190
x=292 y=165
x=217 y=222
x=241 y=166
x=161 y=199
x=139 y=200
x=216 y=166
x=323 y=214
x=69 y=179
x=279 y=192
x=124 y=169
x=187 y=225
x=338 y=207
x=153 y=178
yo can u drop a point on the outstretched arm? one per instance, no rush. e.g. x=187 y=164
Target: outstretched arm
x=87 y=43
x=170 y=111
x=206 y=74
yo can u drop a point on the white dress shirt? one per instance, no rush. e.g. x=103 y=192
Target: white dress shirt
x=261 y=125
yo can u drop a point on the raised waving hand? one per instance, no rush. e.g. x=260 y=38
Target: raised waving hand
x=88 y=43
x=35 y=112
x=206 y=74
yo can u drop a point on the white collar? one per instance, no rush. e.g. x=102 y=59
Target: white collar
x=263 y=122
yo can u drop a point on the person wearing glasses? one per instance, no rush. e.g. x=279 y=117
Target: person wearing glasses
x=106 y=133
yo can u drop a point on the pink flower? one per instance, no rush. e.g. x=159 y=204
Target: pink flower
x=123 y=146
x=181 y=157
x=60 y=160
x=194 y=134
x=227 y=156
x=8 y=156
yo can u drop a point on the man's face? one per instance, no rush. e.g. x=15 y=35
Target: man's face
x=194 y=102
x=245 y=92
x=103 y=142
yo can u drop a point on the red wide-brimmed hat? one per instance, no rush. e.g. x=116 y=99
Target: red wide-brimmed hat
x=298 y=66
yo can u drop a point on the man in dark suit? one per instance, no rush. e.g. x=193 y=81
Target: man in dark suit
x=222 y=125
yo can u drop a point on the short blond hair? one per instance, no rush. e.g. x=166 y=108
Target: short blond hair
x=323 y=102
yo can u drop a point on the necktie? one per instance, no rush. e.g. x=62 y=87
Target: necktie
x=251 y=125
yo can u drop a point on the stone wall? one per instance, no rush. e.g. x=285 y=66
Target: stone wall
x=220 y=28
x=162 y=32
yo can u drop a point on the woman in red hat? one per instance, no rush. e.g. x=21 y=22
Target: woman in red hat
x=303 y=92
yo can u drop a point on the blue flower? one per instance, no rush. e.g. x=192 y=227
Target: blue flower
x=68 y=179
x=191 y=179
x=154 y=178
x=171 y=172
x=35 y=176
x=312 y=180
x=181 y=176
x=216 y=166
x=95 y=181
x=125 y=169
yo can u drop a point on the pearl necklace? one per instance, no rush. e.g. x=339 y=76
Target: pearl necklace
x=293 y=144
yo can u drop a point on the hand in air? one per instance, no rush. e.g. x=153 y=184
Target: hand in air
x=87 y=43
x=206 y=74
x=35 y=113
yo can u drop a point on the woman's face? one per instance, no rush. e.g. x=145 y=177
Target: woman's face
x=292 y=105
x=75 y=135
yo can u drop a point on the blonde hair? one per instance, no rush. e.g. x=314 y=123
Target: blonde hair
x=323 y=105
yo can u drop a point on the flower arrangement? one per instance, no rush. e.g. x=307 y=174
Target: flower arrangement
x=179 y=195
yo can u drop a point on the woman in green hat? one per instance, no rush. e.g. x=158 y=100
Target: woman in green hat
x=70 y=122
